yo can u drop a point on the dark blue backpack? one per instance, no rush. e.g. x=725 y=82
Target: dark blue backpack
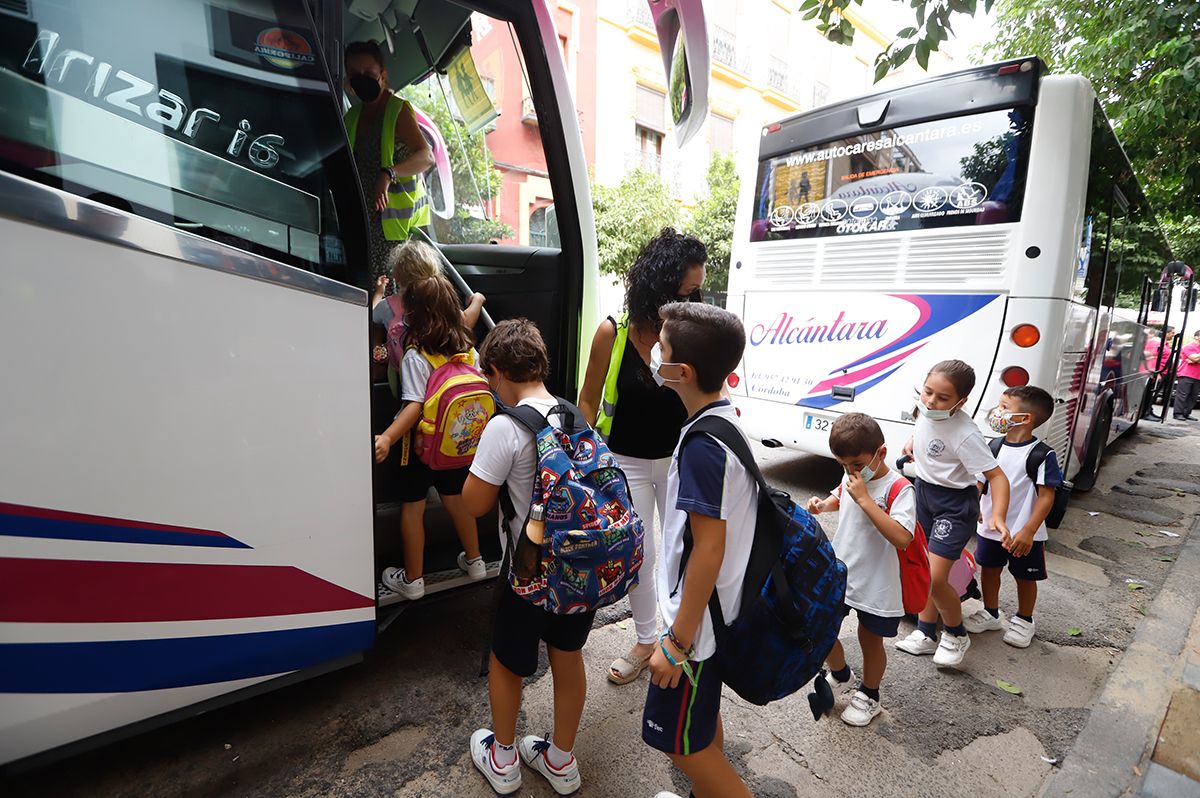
x=792 y=597
x=1033 y=464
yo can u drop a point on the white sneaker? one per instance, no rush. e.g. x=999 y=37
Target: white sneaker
x=506 y=780
x=395 y=580
x=476 y=568
x=951 y=650
x=564 y=780
x=665 y=794
x=862 y=709
x=840 y=687
x=917 y=643
x=982 y=621
x=1020 y=632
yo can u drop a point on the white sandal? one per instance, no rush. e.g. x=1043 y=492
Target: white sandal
x=626 y=669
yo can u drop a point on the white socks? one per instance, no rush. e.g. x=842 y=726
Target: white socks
x=503 y=755
x=557 y=758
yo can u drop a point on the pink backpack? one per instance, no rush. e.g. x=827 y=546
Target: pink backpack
x=397 y=332
x=458 y=404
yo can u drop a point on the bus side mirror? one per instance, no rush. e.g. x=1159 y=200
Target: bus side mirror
x=683 y=41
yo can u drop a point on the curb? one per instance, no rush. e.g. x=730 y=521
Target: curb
x=1121 y=731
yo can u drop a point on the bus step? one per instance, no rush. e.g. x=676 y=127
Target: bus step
x=438 y=582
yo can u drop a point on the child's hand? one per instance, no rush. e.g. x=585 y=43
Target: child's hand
x=381 y=285
x=815 y=505
x=907 y=451
x=1022 y=543
x=856 y=486
x=662 y=672
x=999 y=525
x=383 y=447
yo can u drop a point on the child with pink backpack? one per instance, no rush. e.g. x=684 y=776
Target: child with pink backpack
x=410 y=262
x=445 y=405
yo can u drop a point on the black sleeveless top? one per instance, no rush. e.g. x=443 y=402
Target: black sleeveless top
x=648 y=419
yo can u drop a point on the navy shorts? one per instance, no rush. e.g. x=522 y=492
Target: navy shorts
x=684 y=720
x=521 y=627
x=416 y=479
x=949 y=517
x=877 y=625
x=1032 y=567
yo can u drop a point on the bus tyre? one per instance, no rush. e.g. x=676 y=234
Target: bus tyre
x=1086 y=478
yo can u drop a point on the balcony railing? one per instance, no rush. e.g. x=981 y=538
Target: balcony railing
x=777 y=74
x=725 y=50
x=639 y=13
x=644 y=160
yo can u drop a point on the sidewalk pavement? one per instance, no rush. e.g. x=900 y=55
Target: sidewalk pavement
x=1143 y=735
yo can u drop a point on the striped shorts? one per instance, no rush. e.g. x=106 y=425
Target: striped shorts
x=683 y=720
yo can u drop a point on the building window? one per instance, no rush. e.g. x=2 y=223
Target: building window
x=647 y=152
x=650 y=110
x=720 y=133
x=820 y=94
x=650 y=123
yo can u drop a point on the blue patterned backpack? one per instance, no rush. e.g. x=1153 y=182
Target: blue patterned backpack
x=792 y=594
x=591 y=547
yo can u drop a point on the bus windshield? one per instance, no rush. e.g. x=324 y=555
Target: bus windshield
x=967 y=170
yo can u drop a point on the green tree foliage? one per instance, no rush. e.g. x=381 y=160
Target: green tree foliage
x=476 y=180
x=933 y=26
x=628 y=215
x=712 y=219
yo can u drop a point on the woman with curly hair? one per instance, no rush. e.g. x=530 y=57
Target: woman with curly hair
x=643 y=427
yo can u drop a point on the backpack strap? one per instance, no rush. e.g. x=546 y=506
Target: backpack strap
x=1033 y=463
x=995 y=444
x=894 y=491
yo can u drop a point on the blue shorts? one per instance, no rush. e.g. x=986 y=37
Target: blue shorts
x=877 y=625
x=949 y=517
x=683 y=720
x=1032 y=567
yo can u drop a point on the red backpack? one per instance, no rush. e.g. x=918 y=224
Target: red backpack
x=914 y=560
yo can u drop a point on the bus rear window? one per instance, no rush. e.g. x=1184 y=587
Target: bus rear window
x=968 y=170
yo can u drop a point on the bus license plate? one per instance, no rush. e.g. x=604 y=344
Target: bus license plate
x=817 y=423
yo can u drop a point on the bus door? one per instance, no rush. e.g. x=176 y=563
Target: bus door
x=185 y=484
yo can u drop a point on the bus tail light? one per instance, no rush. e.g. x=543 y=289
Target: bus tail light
x=733 y=379
x=1014 y=376
x=1026 y=335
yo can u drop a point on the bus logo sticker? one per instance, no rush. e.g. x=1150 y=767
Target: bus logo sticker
x=835 y=210
x=932 y=198
x=968 y=195
x=781 y=215
x=284 y=48
x=895 y=203
x=863 y=207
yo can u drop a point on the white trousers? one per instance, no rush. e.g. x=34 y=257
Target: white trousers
x=648 y=486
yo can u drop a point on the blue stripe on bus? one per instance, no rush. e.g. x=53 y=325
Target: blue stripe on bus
x=825 y=401
x=944 y=310
x=29 y=527
x=120 y=666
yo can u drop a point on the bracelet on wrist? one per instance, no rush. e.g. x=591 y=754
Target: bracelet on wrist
x=675 y=641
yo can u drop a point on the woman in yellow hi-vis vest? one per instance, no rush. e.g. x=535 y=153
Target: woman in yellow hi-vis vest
x=390 y=153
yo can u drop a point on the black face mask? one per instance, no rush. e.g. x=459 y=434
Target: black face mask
x=695 y=296
x=366 y=87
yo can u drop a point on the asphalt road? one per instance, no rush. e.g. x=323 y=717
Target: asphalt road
x=398 y=724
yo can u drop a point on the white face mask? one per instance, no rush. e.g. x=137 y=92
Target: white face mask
x=866 y=472
x=656 y=363
x=934 y=415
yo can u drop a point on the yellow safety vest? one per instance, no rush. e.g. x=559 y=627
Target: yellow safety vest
x=407 y=205
x=608 y=400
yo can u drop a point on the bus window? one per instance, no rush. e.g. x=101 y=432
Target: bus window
x=230 y=133
x=966 y=170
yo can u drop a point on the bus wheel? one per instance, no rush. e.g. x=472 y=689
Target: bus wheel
x=1086 y=478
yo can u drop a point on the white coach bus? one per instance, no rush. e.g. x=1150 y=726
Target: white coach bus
x=189 y=511
x=983 y=215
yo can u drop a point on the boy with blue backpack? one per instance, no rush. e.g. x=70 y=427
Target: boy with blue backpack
x=572 y=545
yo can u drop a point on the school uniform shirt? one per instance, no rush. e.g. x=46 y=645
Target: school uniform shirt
x=1022 y=493
x=507 y=455
x=708 y=479
x=872 y=566
x=950 y=452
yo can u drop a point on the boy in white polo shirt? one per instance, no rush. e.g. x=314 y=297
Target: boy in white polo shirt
x=868 y=535
x=1020 y=411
